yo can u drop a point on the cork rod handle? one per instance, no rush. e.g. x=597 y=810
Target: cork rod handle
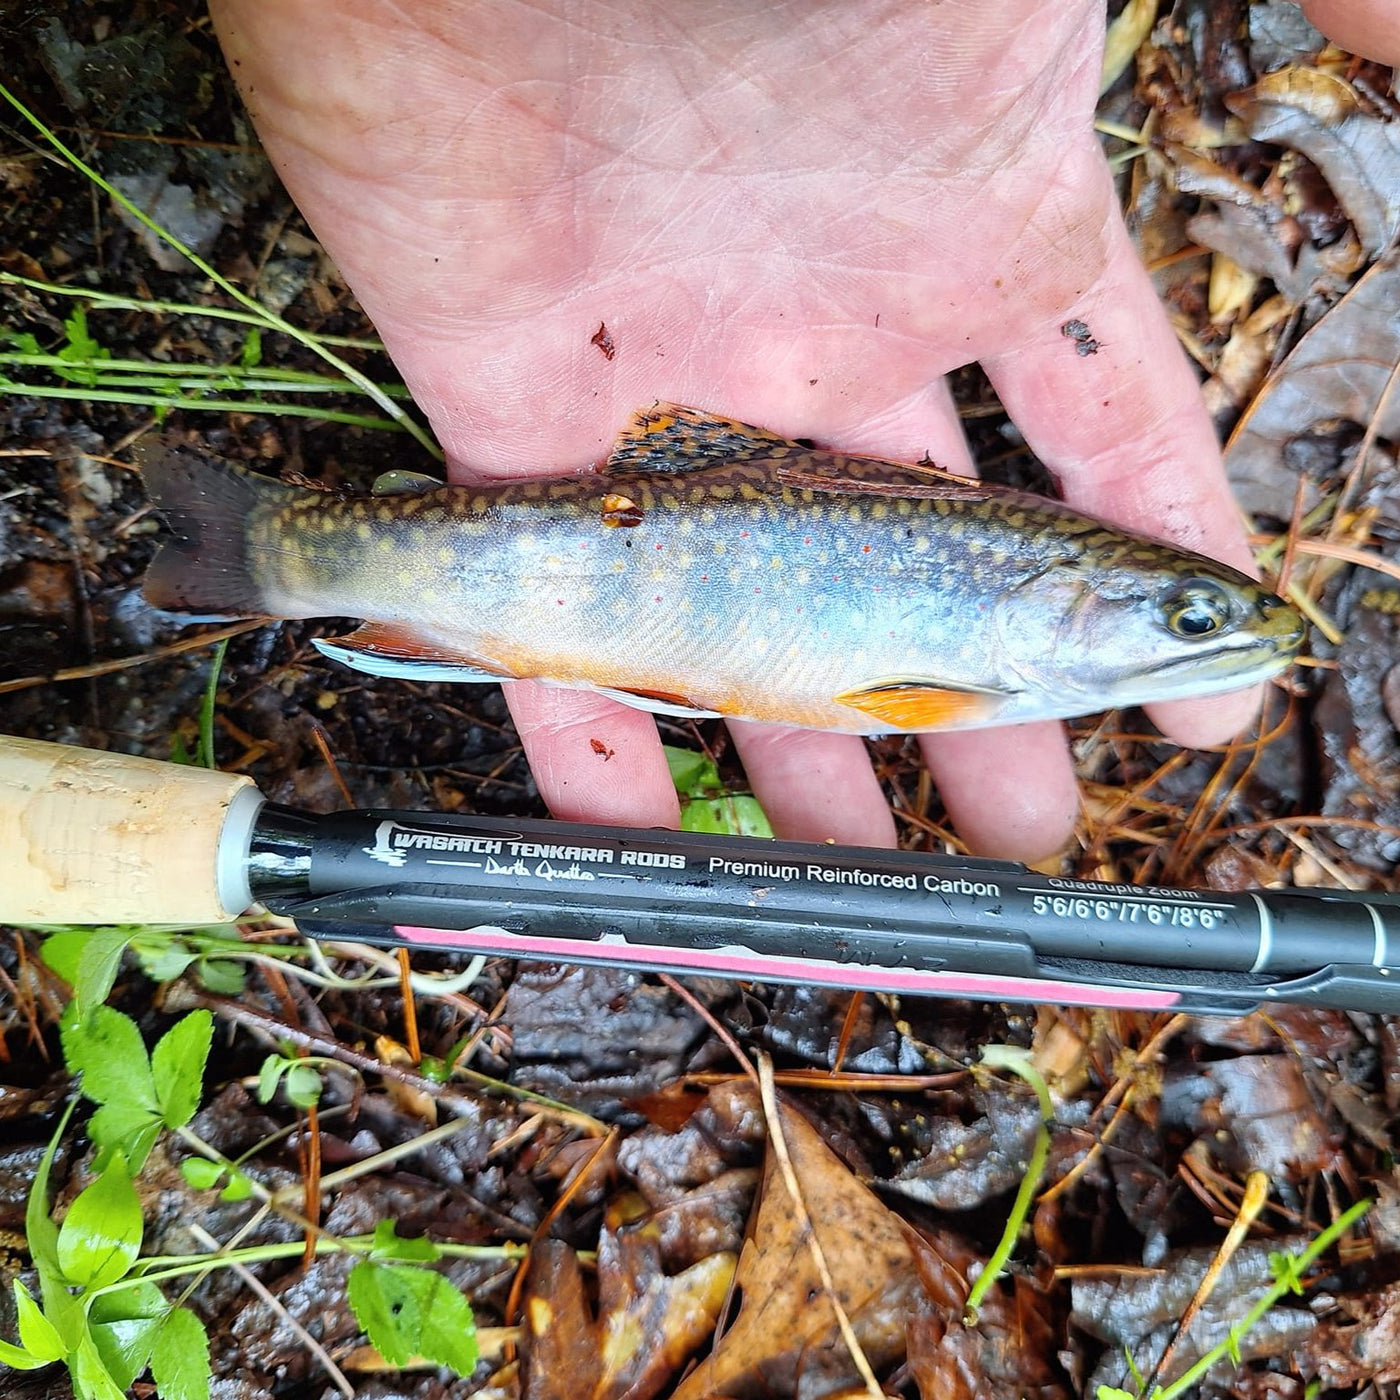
x=102 y=838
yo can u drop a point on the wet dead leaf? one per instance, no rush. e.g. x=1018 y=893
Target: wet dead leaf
x=1338 y=373
x=785 y=1339
x=1321 y=116
x=648 y=1322
x=1256 y=1112
x=1360 y=1346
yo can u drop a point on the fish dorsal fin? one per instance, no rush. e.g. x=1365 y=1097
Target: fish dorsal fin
x=922 y=703
x=870 y=476
x=670 y=438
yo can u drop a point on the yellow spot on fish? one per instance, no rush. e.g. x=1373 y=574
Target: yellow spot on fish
x=735 y=575
x=386 y=545
x=719 y=546
x=776 y=562
x=405 y=578
x=710 y=622
x=428 y=595
x=444 y=555
x=669 y=501
x=902 y=507
x=708 y=516
x=619 y=566
x=748 y=492
x=687 y=526
x=856 y=513
x=804 y=576
x=327 y=524
x=384 y=514
x=362 y=531
x=878 y=511
x=921 y=545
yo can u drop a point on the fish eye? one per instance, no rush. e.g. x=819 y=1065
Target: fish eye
x=1197 y=610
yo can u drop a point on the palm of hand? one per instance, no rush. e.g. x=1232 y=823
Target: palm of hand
x=799 y=215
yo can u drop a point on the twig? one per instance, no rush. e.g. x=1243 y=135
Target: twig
x=337 y=1376
x=769 y=1096
x=124 y=663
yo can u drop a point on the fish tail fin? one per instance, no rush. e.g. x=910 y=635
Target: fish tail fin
x=208 y=566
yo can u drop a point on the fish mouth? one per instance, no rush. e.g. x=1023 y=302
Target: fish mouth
x=1252 y=658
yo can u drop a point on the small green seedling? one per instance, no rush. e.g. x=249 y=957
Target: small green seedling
x=100 y=1312
x=706 y=805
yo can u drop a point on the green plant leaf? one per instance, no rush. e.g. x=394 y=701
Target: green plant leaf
x=81 y=352
x=222 y=976
x=106 y=1048
x=409 y=1312
x=60 y=1306
x=303 y=1084
x=389 y=1244
x=201 y=1173
x=691 y=773
x=162 y=956
x=123 y=1325
x=98 y=966
x=18 y=1358
x=37 y=1334
x=739 y=815
x=250 y=357
x=1111 y=1392
x=63 y=949
x=125 y=1128
x=239 y=1188
x=91 y=1378
x=101 y=1235
x=177 y=1066
x=180 y=1357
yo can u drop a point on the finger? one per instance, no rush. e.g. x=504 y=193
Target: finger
x=1010 y=792
x=1127 y=431
x=813 y=786
x=593 y=760
x=1370 y=28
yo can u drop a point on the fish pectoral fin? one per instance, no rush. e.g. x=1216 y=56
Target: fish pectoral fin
x=401 y=483
x=658 y=702
x=916 y=704
x=668 y=438
x=929 y=484
x=383 y=649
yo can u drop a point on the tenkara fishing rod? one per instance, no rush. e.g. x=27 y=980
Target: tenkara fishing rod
x=91 y=837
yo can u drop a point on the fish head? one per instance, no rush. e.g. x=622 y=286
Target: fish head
x=1138 y=622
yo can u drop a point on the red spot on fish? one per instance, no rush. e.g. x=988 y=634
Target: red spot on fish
x=657 y=599
x=743 y=534
x=704 y=578
x=758 y=590
x=560 y=601
x=807 y=539
x=661 y=546
x=865 y=549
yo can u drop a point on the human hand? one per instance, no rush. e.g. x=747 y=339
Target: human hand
x=801 y=216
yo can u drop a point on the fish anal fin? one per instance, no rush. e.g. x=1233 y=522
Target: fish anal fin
x=392 y=649
x=670 y=438
x=918 y=705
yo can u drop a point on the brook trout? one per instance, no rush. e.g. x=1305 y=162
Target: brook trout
x=713 y=568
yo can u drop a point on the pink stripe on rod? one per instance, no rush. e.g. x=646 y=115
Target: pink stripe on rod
x=740 y=962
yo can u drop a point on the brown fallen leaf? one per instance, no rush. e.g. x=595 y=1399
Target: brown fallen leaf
x=1320 y=115
x=648 y=1322
x=785 y=1340
x=1337 y=373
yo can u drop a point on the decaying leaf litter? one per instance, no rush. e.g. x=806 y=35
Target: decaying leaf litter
x=597 y=1118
